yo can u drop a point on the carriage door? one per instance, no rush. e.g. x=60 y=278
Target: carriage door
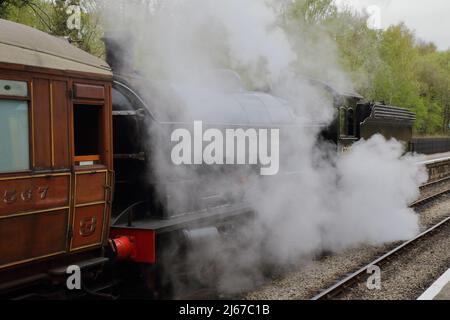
x=92 y=166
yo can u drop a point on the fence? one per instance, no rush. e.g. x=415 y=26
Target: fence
x=430 y=145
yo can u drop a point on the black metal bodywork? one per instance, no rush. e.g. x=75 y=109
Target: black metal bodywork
x=431 y=145
x=143 y=195
x=356 y=119
x=144 y=198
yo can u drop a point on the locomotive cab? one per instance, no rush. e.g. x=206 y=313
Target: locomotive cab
x=347 y=122
x=356 y=119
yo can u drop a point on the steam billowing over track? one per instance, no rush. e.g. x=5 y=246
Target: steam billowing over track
x=434 y=223
x=438 y=174
x=433 y=210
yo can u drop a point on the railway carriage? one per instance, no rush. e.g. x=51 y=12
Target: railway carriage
x=56 y=173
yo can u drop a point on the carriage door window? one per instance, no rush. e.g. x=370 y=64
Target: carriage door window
x=342 y=121
x=350 y=123
x=14 y=126
x=88 y=133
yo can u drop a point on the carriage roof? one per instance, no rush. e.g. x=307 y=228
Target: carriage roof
x=20 y=44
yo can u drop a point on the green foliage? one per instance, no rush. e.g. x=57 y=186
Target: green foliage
x=389 y=65
x=313 y=11
x=88 y=38
x=52 y=17
x=7 y=5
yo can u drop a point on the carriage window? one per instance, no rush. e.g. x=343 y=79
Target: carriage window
x=87 y=133
x=350 y=123
x=14 y=135
x=342 y=121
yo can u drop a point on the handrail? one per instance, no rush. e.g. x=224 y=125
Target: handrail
x=128 y=211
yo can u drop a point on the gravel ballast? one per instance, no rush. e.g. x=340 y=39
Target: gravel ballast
x=424 y=265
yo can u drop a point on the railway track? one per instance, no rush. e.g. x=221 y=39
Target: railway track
x=429 y=199
x=434 y=183
x=439 y=173
x=355 y=278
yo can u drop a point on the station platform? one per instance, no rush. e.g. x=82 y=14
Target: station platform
x=428 y=159
x=440 y=290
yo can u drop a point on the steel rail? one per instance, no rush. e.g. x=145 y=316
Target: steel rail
x=348 y=281
x=428 y=199
x=433 y=183
x=353 y=277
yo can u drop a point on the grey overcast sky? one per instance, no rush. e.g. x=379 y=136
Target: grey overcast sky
x=429 y=18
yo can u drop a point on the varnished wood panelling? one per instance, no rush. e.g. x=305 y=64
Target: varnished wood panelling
x=90 y=187
x=35 y=221
x=88 y=91
x=108 y=129
x=61 y=125
x=34 y=236
x=42 y=125
x=52 y=73
x=33 y=194
x=88 y=226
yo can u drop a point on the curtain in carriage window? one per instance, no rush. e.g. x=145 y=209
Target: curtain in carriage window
x=14 y=136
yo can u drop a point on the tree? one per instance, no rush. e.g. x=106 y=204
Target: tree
x=386 y=65
x=30 y=12
x=52 y=17
x=313 y=11
x=88 y=36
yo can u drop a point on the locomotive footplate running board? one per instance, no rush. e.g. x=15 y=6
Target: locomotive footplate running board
x=136 y=239
x=202 y=218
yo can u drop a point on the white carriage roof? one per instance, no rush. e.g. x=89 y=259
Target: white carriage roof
x=20 y=44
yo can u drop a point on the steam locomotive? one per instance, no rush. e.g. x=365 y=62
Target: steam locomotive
x=357 y=119
x=77 y=184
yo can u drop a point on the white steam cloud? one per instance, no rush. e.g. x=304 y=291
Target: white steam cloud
x=332 y=202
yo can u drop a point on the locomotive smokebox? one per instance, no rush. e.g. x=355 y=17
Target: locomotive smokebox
x=119 y=51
